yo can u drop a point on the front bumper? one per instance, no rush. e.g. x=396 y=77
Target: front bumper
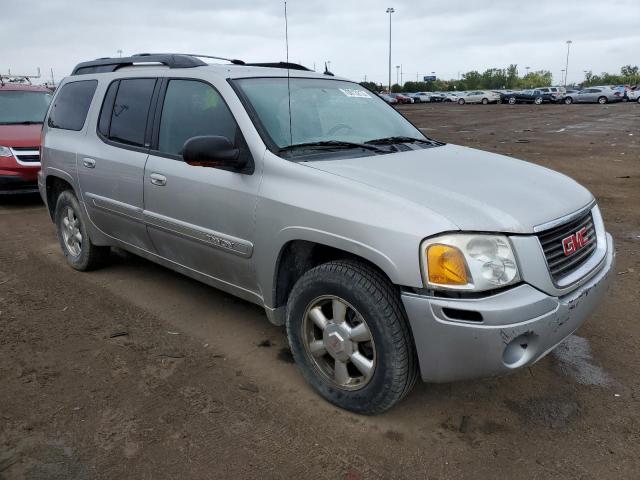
x=519 y=327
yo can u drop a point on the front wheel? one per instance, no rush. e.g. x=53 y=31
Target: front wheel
x=512 y=101
x=350 y=337
x=73 y=235
x=485 y=101
x=602 y=100
x=461 y=101
x=568 y=100
x=538 y=101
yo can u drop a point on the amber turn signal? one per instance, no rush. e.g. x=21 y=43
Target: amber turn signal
x=447 y=265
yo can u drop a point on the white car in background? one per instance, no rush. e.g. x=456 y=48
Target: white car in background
x=453 y=96
x=479 y=96
x=634 y=95
x=422 y=97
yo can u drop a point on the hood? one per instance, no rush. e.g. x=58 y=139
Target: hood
x=475 y=190
x=20 y=135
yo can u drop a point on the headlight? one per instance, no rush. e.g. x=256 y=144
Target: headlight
x=5 y=152
x=476 y=262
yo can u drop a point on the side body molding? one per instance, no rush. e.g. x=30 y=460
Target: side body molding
x=228 y=243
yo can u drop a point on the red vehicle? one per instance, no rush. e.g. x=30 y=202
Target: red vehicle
x=401 y=98
x=22 y=111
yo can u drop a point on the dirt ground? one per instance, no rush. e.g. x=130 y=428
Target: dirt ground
x=134 y=371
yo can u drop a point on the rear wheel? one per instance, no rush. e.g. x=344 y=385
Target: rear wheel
x=538 y=101
x=485 y=101
x=568 y=100
x=350 y=337
x=461 y=101
x=73 y=235
x=602 y=100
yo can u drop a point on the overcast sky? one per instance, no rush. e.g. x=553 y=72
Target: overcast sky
x=443 y=37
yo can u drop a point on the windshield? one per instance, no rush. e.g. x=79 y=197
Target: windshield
x=322 y=111
x=17 y=107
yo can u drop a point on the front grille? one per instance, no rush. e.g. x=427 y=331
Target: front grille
x=27 y=154
x=561 y=265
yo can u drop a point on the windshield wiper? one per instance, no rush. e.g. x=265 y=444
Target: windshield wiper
x=28 y=122
x=394 y=140
x=332 y=144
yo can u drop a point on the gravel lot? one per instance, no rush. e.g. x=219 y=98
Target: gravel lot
x=137 y=372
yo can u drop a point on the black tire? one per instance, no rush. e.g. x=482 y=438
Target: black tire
x=461 y=101
x=602 y=100
x=90 y=256
x=485 y=101
x=568 y=100
x=512 y=100
x=538 y=101
x=373 y=296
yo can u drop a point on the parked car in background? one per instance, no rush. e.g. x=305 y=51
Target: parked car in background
x=22 y=111
x=388 y=98
x=480 y=96
x=553 y=94
x=438 y=96
x=452 y=96
x=634 y=95
x=402 y=98
x=411 y=95
x=422 y=97
x=600 y=95
x=525 y=96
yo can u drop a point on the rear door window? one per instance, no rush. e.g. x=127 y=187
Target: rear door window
x=125 y=121
x=71 y=105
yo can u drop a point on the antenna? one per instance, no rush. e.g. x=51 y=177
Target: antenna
x=286 y=41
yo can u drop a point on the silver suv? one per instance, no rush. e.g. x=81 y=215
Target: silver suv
x=386 y=254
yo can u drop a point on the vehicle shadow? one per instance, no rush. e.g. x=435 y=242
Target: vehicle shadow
x=20 y=201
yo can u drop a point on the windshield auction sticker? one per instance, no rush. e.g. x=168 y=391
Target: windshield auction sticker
x=355 y=93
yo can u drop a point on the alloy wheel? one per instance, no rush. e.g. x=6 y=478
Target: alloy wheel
x=71 y=232
x=338 y=342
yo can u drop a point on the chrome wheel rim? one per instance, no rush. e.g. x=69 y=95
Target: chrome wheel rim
x=338 y=342
x=71 y=232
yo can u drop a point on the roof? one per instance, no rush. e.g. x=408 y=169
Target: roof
x=7 y=86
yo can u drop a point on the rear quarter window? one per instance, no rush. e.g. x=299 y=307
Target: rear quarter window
x=71 y=105
x=125 y=111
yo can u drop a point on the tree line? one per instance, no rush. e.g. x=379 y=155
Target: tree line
x=508 y=78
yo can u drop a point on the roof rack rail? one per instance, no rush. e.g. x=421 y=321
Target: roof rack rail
x=171 y=60
x=103 y=65
x=290 y=66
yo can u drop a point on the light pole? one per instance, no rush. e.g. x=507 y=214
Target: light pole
x=390 y=10
x=566 y=67
x=119 y=53
x=398 y=74
x=562 y=77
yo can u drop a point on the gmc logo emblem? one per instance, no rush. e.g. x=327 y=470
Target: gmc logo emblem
x=575 y=242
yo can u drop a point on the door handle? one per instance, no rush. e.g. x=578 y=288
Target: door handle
x=89 y=162
x=157 y=179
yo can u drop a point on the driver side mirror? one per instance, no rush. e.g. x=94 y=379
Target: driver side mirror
x=212 y=151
